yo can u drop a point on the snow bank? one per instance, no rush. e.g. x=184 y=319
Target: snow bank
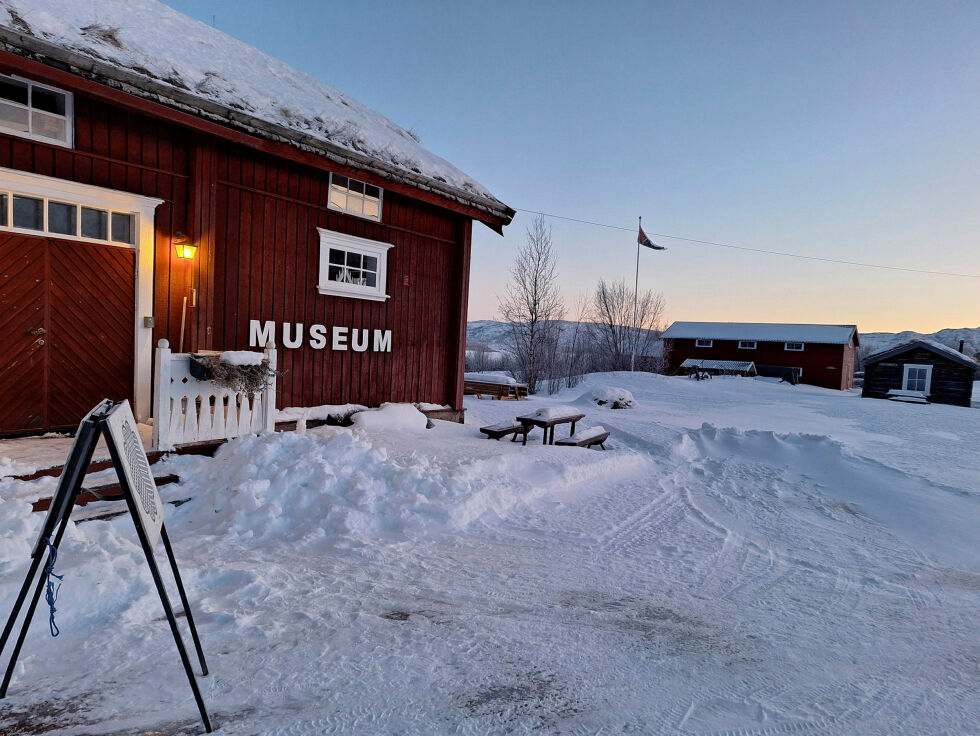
x=242 y=357
x=612 y=398
x=397 y=417
x=302 y=414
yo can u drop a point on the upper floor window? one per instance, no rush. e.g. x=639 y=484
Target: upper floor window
x=352 y=266
x=35 y=111
x=794 y=346
x=52 y=216
x=699 y=343
x=355 y=197
x=746 y=344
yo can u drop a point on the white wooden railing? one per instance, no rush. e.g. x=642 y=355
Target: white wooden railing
x=186 y=409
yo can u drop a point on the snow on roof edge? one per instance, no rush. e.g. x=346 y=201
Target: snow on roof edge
x=936 y=347
x=762 y=332
x=87 y=62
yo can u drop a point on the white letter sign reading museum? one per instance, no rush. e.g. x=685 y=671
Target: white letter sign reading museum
x=261 y=334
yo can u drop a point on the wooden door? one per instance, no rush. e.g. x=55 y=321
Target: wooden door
x=67 y=312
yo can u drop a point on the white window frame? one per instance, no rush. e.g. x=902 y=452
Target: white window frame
x=336 y=208
x=747 y=344
x=332 y=239
x=703 y=343
x=69 y=115
x=7 y=224
x=46 y=187
x=786 y=346
x=905 y=377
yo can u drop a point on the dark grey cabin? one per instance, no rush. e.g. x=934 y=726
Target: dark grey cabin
x=938 y=373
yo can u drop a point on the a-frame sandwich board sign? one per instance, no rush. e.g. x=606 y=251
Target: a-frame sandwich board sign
x=117 y=424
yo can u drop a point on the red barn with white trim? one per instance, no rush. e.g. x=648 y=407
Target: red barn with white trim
x=132 y=136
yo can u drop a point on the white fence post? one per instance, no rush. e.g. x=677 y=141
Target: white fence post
x=269 y=394
x=162 y=398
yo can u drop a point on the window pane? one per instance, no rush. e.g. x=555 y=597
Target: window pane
x=337 y=256
x=123 y=228
x=370 y=263
x=354 y=259
x=334 y=273
x=339 y=181
x=95 y=224
x=338 y=199
x=371 y=209
x=49 y=126
x=62 y=218
x=13 y=117
x=355 y=205
x=3 y=210
x=28 y=213
x=355 y=275
x=356 y=186
x=48 y=101
x=11 y=89
x=372 y=192
x=370 y=279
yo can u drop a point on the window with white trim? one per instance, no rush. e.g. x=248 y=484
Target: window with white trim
x=746 y=344
x=917 y=378
x=60 y=218
x=794 y=346
x=355 y=197
x=699 y=343
x=352 y=266
x=36 y=111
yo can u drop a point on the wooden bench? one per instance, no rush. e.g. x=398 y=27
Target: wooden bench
x=516 y=391
x=587 y=441
x=504 y=429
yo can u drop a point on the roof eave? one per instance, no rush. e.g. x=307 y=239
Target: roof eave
x=138 y=85
x=881 y=355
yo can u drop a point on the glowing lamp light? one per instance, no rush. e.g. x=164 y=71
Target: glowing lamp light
x=185 y=249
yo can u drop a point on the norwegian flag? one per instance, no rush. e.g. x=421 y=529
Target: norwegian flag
x=642 y=239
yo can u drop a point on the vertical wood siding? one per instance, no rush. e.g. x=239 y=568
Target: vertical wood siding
x=254 y=218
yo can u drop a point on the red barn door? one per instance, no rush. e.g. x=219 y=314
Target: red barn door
x=66 y=330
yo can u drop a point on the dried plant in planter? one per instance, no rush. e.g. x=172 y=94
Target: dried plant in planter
x=246 y=379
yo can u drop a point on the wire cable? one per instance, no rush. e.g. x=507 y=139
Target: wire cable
x=756 y=250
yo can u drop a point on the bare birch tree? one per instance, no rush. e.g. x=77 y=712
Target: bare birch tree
x=532 y=306
x=614 y=335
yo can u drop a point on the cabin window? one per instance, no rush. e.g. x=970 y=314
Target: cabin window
x=355 y=197
x=352 y=266
x=794 y=346
x=702 y=343
x=746 y=344
x=66 y=219
x=35 y=111
x=917 y=378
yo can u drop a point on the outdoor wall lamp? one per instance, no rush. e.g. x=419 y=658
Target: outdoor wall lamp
x=185 y=249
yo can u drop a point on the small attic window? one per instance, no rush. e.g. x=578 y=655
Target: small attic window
x=35 y=111
x=355 y=197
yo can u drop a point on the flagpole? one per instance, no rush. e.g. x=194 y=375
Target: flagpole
x=636 y=286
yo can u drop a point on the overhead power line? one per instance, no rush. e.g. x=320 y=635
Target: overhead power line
x=756 y=250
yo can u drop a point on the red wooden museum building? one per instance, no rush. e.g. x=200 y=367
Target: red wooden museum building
x=159 y=179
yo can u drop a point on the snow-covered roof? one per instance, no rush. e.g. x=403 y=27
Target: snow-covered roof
x=762 y=332
x=936 y=347
x=151 y=50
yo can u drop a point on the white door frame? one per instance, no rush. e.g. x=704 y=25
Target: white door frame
x=144 y=208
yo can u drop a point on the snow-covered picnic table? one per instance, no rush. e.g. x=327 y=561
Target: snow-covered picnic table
x=549 y=417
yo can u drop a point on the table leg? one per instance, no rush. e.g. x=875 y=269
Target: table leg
x=573 y=429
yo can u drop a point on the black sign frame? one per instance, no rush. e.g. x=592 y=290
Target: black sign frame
x=102 y=421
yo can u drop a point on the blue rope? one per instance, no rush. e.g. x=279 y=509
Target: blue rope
x=51 y=594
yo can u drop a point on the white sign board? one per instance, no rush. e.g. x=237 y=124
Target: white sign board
x=135 y=468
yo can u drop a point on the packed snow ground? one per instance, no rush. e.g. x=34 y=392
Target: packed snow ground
x=748 y=557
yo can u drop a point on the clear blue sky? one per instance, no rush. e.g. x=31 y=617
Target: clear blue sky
x=845 y=130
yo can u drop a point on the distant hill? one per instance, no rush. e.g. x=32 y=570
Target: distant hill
x=872 y=342
x=493 y=334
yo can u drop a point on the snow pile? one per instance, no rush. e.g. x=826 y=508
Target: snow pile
x=392 y=417
x=242 y=357
x=426 y=406
x=588 y=433
x=171 y=50
x=302 y=414
x=613 y=398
